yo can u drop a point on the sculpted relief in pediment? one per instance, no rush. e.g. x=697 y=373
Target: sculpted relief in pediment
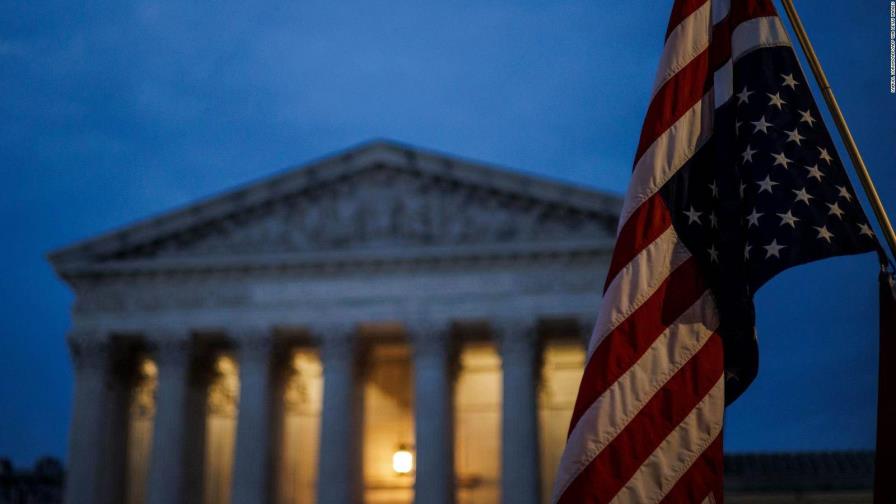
x=384 y=208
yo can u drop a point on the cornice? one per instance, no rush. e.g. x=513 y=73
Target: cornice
x=351 y=260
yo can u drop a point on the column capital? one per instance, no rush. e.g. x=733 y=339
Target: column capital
x=88 y=351
x=322 y=330
x=430 y=339
x=170 y=352
x=242 y=333
x=168 y=343
x=339 y=345
x=165 y=332
x=252 y=342
x=517 y=337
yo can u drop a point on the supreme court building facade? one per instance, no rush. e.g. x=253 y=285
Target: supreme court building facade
x=298 y=339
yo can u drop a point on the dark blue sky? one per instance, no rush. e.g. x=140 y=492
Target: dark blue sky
x=114 y=111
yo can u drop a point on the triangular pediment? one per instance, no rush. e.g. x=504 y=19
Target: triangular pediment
x=380 y=198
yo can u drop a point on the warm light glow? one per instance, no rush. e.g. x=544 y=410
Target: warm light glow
x=402 y=461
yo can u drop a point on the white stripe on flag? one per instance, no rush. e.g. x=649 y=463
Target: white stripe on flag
x=723 y=83
x=756 y=33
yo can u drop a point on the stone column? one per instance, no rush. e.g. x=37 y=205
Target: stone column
x=167 y=466
x=87 y=433
x=253 y=460
x=339 y=463
x=434 y=482
x=519 y=435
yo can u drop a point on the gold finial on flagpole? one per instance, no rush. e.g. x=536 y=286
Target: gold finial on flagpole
x=857 y=162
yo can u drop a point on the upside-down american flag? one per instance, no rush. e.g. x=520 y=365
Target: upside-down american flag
x=735 y=179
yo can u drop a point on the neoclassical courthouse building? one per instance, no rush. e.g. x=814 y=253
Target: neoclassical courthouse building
x=381 y=326
x=283 y=341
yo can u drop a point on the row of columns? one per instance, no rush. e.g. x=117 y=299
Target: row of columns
x=339 y=462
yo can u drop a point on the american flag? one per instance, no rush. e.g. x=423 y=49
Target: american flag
x=735 y=179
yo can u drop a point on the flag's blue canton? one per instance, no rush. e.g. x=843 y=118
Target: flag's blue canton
x=766 y=192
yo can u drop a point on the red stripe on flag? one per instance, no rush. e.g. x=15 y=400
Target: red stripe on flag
x=615 y=465
x=742 y=11
x=631 y=338
x=645 y=225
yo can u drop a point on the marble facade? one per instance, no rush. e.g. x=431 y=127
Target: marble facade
x=255 y=346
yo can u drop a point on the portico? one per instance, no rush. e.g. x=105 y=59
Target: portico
x=278 y=343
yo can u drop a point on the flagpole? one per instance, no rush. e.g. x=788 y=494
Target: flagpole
x=857 y=162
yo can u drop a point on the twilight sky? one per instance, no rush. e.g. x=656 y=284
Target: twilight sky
x=114 y=111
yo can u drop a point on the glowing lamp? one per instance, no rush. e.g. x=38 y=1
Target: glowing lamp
x=402 y=461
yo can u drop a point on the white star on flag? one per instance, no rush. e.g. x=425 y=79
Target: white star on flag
x=794 y=136
x=835 y=210
x=806 y=117
x=772 y=249
x=766 y=185
x=775 y=99
x=781 y=159
x=824 y=234
x=744 y=96
x=844 y=193
x=748 y=155
x=693 y=216
x=814 y=172
x=761 y=125
x=788 y=218
x=803 y=196
x=789 y=81
x=753 y=218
